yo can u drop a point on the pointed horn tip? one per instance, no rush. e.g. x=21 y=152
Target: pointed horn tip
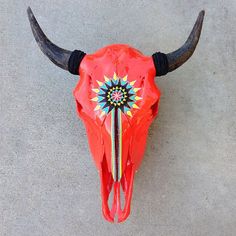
x=201 y=14
x=30 y=13
x=200 y=19
x=29 y=10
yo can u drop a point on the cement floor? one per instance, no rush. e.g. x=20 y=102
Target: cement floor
x=187 y=182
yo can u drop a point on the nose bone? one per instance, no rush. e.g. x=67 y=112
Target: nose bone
x=108 y=185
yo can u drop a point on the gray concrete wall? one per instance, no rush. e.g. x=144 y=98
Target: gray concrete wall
x=187 y=182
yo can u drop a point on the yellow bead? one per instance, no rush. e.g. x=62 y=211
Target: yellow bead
x=129 y=113
x=135 y=106
x=125 y=78
x=94 y=99
x=136 y=89
x=133 y=82
x=99 y=83
x=96 y=90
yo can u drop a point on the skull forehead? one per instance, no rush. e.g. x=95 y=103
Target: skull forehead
x=117 y=50
x=121 y=59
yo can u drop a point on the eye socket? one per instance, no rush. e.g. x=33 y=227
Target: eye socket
x=79 y=106
x=154 y=108
x=142 y=82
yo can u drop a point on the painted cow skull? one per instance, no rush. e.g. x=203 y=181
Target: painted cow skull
x=117 y=99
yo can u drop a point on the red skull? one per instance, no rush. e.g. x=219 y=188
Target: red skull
x=117 y=99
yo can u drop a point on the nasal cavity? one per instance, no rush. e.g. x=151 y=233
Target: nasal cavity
x=122 y=199
x=111 y=198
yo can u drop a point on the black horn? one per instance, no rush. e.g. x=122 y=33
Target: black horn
x=65 y=59
x=165 y=63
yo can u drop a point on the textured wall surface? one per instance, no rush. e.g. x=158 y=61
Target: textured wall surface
x=187 y=182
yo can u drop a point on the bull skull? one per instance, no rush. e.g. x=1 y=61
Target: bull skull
x=117 y=99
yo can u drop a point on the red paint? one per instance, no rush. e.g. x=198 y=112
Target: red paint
x=122 y=60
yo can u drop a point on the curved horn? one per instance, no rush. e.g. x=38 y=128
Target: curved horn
x=57 y=55
x=181 y=55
